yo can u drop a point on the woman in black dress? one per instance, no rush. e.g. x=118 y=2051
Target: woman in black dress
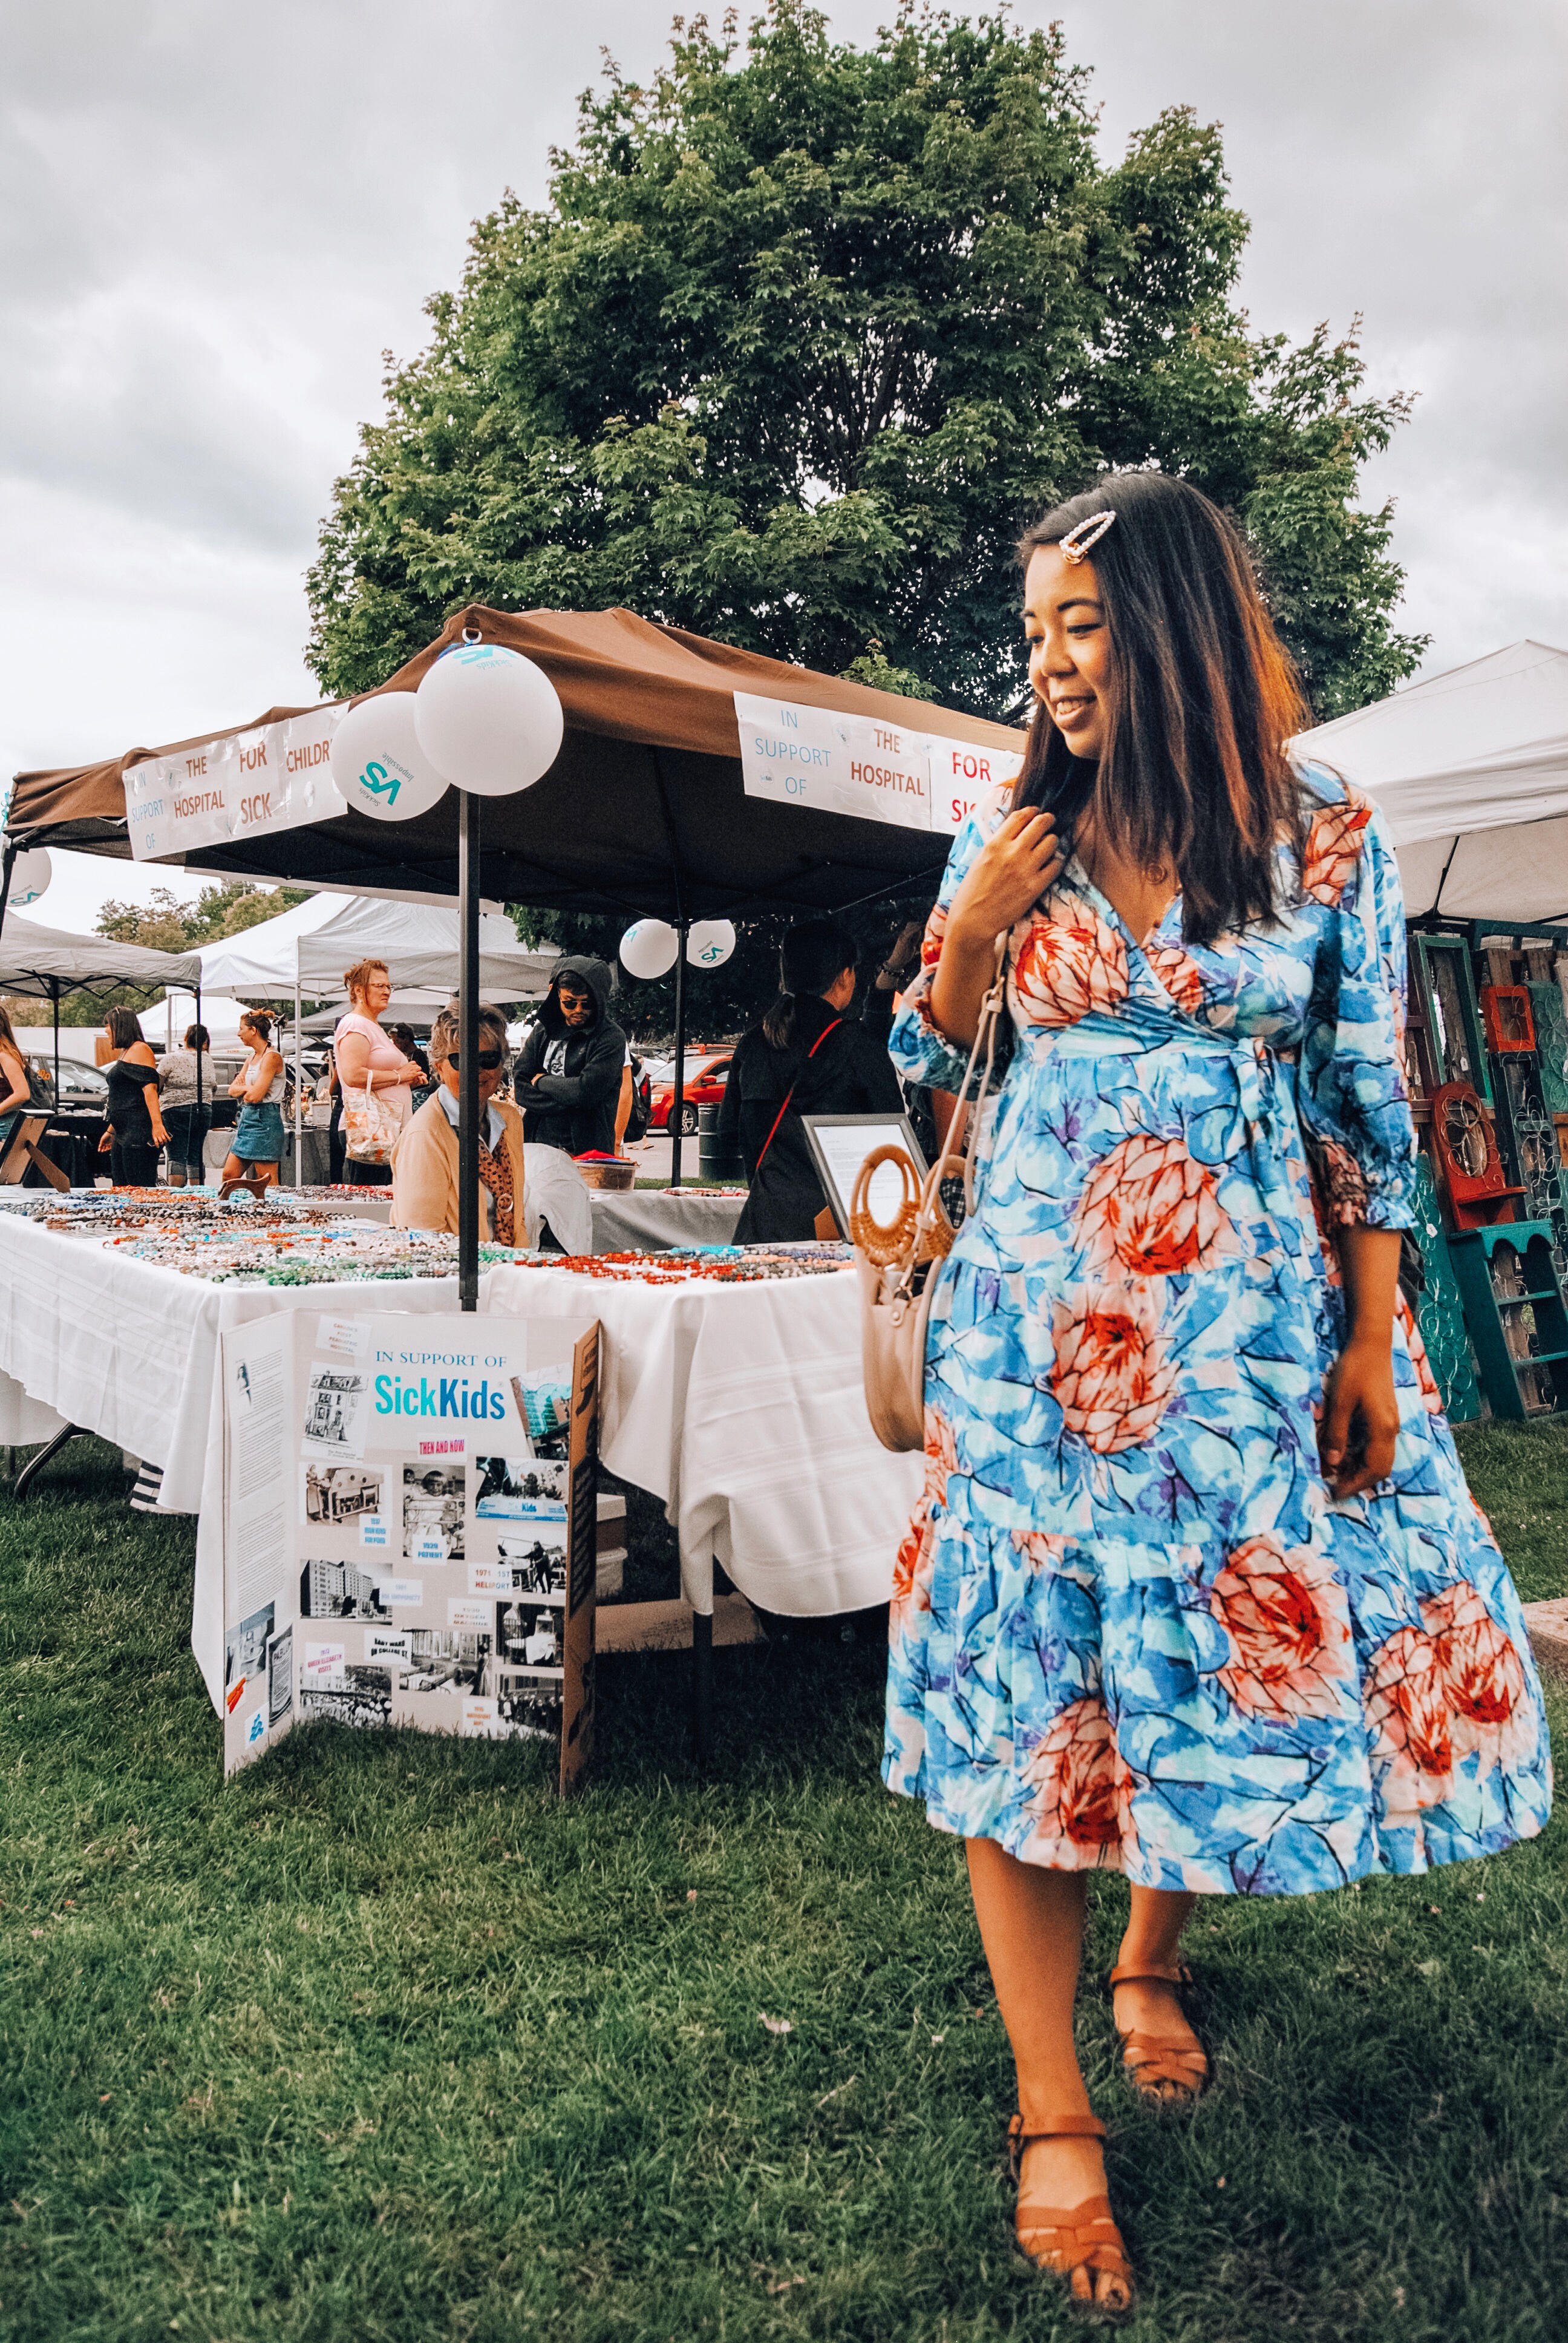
x=135 y=1131
x=808 y=1056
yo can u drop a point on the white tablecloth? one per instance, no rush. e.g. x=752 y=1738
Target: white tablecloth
x=130 y=1351
x=739 y=1406
x=742 y=1407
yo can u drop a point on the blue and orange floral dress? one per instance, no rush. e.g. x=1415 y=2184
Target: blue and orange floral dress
x=1132 y=1628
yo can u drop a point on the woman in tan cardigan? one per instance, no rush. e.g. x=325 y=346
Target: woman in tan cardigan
x=424 y=1161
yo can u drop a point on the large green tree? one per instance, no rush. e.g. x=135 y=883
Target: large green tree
x=806 y=332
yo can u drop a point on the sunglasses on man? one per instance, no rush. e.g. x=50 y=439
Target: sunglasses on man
x=486 y=1059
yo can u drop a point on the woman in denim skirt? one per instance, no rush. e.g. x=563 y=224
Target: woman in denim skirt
x=259 y=1135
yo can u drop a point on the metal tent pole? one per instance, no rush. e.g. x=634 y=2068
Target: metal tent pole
x=678 y=1097
x=54 y=997
x=298 y=1167
x=12 y=850
x=468 y=1049
x=202 y=1140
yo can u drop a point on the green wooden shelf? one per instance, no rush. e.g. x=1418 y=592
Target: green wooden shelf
x=1477 y=1270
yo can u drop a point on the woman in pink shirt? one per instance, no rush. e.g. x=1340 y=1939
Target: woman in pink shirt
x=363 y=1051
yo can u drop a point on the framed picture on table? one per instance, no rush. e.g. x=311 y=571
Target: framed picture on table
x=840 y=1144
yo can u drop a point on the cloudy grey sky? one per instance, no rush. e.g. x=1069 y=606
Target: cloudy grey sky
x=217 y=219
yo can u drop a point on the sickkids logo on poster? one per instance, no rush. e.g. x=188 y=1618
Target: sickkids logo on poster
x=465 y=1393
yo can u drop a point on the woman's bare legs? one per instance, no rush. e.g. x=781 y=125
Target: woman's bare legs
x=1153 y=1940
x=1031 y=1926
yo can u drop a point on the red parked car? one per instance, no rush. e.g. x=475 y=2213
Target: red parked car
x=706 y=1071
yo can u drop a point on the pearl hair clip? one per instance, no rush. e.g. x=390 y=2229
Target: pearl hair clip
x=1081 y=541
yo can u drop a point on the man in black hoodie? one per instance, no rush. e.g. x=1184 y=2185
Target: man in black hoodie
x=567 y=1074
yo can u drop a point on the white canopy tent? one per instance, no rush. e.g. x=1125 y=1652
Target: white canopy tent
x=306 y=949
x=165 y=1023
x=1470 y=769
x=44 y=963
x=302 y=953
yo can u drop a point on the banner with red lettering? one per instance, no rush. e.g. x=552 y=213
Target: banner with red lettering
x=273 y=777
x=858 y=765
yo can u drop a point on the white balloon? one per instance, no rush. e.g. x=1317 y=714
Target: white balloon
x=30 y=875
x=488 y=718
x=649 y=948
x=709 y=943
x=377 y=762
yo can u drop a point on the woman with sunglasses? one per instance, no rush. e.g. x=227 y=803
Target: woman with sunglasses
x=1197 y=1592
x=425 y=1164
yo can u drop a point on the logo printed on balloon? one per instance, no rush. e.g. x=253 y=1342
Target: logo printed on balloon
x=30 y=875
x=488 y=718
x=377 y=763
x=649 y=948
x=709 y=943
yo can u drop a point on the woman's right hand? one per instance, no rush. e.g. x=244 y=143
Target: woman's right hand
x=1008 y=877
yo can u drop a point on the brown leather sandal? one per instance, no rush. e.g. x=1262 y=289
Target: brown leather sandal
x=1064 y=2238
x=1160 y=2068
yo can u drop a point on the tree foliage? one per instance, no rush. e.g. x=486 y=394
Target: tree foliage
x=228 y=909
x=806 y=332
x=164 y=924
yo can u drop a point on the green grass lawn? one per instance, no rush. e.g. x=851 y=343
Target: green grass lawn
x=382 y=2042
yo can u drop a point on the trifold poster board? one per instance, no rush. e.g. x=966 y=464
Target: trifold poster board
x=409 y=1527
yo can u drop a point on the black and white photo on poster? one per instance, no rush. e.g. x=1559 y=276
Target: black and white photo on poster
x=280 y=1676
x=244 y=1652
x=529 y=1707
x=340 y=1590
x=330 y=1493
x=363 y=1697
x=334 y=1411
x=519 y=1488
x=434 y=1497
x=447 y=1661
x=527 y=1635
x=537 y=1564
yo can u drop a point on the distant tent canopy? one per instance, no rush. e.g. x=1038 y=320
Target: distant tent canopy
x=309 y=948
x=42 y=963
x=646 y=809
x=1471 y=769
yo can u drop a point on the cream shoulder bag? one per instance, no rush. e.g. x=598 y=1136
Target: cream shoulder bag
x=897 y=1262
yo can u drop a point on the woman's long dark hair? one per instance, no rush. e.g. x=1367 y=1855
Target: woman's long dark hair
x=813 y=957
x=1192 y=772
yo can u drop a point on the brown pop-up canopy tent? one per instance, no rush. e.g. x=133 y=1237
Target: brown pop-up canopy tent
x=643 y=811
x=645 y=808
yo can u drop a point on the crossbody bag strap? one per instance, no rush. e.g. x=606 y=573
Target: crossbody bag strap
x=793 y=1088
x=985 y=1037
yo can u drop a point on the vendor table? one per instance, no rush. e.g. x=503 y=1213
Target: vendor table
x=129 y=1349
x=742 y=1407
x=739 y=1405
x=643 y=1219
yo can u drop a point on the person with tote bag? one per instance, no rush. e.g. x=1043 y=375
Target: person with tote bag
x=1196 y=1591
x=374 y=1075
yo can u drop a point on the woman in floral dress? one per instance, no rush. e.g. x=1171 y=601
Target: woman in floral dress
x=1196 y=1590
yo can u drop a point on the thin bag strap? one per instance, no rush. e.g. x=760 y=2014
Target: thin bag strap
x=985 y=1033
x=793 y=1088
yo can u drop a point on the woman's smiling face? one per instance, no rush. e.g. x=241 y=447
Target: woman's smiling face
x=1069 y=646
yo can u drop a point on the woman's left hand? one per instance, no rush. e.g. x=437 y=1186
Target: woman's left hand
x=1360 y=1421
